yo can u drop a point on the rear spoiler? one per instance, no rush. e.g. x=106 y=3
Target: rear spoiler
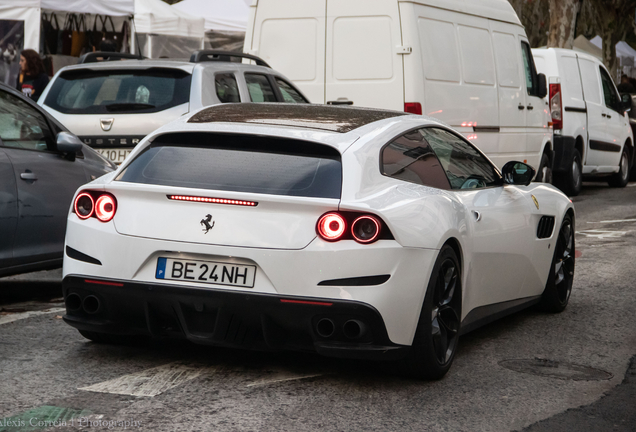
x=94 y=57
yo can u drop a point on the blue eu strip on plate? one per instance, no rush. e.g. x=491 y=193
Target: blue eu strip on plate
x=161 y=268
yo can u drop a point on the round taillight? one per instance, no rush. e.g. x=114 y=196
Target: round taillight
x=365 y=229
x=84 y=205
x=331 y=226
x=105 y=208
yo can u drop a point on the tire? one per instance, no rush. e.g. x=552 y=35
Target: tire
x=571 y=181
x=558 y=288
x=544 y=173
x=436 y=338
x=621 y=178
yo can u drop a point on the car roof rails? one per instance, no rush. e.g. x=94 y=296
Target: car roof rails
x=225 y=56
x=94 y=57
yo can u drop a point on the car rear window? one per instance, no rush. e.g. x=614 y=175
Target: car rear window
x=240 y=163
x=119 y=91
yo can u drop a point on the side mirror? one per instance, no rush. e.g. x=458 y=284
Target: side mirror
x=543 y=86
x=68 y=143
x=626 y=102
x=518 y=173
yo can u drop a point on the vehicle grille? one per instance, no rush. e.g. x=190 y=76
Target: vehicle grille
x=546 y=226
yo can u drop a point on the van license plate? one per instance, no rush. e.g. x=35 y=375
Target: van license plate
x=211 y=272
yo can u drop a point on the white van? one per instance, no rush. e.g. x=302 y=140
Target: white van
x=592 y=135
x=466 y=62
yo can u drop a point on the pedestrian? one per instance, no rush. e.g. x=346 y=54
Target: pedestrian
x=625 y=86
x=33 y=78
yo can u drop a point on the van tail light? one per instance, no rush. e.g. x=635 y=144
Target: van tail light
x=556 y=107
x=413 y=108
x=95 y=204
x=361 y=227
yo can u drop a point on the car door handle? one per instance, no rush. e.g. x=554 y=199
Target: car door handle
x=530 y=107
x=604 y=115
x=477 y=215
x=340 y=102
x=28 y=175
x=609 y=116
x=521 y=107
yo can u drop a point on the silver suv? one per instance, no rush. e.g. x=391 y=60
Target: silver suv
x=112 y=105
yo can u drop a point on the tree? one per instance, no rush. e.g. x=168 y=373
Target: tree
x=563 y=18
x=614 y=19
x=535 y=17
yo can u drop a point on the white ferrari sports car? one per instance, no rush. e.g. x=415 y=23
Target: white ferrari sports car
x=351 y=232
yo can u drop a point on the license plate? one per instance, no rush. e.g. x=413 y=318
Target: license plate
x=212 y=272
x=115 y=155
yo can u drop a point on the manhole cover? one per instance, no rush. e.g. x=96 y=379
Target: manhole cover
x=556 y=369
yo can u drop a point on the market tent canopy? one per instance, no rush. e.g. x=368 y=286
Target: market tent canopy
x=162 y=31
x=224 y=15
x=582 y=44
x=156 y=16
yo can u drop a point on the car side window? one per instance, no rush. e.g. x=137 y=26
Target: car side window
x=259 y=88
x=226 y=88
x=465 y=166
x=290 y=94
x=532 y=80
x=611 y=96
x=22 y=126
x=410 y=158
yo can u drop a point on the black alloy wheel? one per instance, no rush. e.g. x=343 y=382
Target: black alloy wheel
x=570 y=182
x=437 y=335
x=559 y=285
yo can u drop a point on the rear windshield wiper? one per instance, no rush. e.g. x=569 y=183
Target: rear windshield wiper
x=127 y=106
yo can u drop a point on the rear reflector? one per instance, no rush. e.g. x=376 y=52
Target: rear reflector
x=103 y=282
x=212 y=200
x=306 y=302
x=413 y=107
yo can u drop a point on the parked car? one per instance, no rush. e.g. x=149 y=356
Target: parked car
x=112 y=105
x=467 y=63
x=41 y=167
x=352 y=232
x=592 y=135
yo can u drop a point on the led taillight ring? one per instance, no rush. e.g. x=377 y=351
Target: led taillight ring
x=81 y=209
x=105 y=207
x=332 y=226
x=371 y=229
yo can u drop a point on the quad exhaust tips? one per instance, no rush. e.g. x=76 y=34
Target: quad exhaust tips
x=90 y=304
x=352 y=329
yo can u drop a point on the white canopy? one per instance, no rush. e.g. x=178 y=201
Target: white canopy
x=156 y=16
x=581 y=43
x=224 y=15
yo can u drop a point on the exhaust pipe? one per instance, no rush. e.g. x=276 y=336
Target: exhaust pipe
x=91 y=304
x=325 y=328
x=354 y=329
x=73 y=302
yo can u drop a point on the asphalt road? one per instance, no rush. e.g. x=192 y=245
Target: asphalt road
x=530 y=371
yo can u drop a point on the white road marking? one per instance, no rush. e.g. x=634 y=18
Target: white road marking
x=281 y=377
x=5 y=319
x=150 y=382
x=615 y=221
x=602 y=234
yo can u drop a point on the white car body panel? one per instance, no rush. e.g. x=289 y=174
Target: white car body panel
x=501 y=257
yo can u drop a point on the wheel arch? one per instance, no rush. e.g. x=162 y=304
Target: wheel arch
x=579 y=145
x=457 y=248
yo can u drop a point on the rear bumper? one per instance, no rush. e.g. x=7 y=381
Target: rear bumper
x=563 y=153
x=230 y=319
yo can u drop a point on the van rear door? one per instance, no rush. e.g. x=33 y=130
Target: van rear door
x=363 y=63
x=290 y=36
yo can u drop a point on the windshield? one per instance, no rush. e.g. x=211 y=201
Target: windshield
x=119 y=91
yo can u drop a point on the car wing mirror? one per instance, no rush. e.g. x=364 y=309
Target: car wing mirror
x=518 y=173
x=68 y=143
x=626 y=102
x=543 y=86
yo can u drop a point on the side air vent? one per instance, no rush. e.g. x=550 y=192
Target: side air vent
x=546 y=226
